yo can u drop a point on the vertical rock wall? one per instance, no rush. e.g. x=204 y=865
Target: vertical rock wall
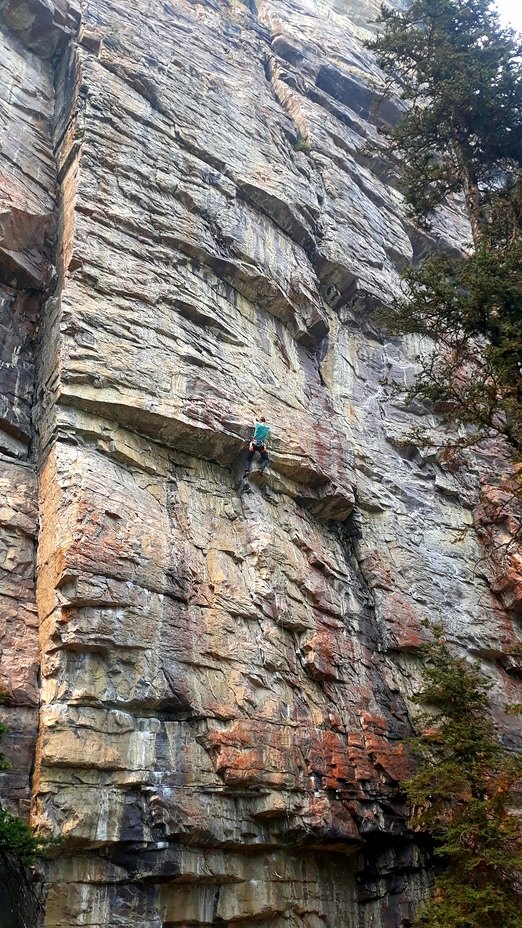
x=27 y=223
x=194 y=232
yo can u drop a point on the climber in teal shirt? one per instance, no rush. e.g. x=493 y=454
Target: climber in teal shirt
x=261 y=430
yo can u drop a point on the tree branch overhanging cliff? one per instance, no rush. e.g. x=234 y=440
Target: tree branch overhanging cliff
x=461 y=74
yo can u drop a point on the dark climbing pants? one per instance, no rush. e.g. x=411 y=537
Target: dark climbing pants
x=252 y=450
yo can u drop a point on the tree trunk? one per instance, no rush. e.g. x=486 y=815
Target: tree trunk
x=471 y=194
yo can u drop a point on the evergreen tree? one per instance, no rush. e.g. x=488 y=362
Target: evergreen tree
x=462 y=77
x=470 y=311
x=464 y=794
x=461 y=74
x=19 y=846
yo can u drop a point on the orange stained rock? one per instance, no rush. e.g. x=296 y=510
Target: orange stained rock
x=319 y=657
x=403 y=625
x=328 y=757
x=391 y=758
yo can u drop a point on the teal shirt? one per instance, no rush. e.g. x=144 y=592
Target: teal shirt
x=261 y=431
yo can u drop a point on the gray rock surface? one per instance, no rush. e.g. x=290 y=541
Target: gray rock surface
x=195 y=231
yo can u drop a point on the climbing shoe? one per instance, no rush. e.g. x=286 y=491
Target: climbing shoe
x=246 y=474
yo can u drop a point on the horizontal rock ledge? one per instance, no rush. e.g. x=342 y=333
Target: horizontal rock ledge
x=325 y=490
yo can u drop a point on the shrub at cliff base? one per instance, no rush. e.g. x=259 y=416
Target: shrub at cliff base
x=464 y=794
x=19 y=846
x=461 y=75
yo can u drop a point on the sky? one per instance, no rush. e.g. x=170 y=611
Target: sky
x=511 y=13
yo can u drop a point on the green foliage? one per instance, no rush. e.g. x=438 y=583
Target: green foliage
x=4 y=764
x=302 y=144
x=471 y=311
x=461 y=75
x=17 y=839
x=464 y=794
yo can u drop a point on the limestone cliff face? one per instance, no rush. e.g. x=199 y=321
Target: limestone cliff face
x=208 y=681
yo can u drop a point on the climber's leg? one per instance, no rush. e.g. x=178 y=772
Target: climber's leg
x=264 y=458
x=250 y=455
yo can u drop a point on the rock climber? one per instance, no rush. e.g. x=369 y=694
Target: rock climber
x=261 y=430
